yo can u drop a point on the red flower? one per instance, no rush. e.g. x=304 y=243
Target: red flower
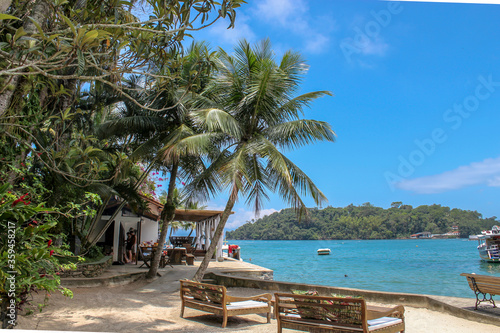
x=50 y=242
x=159 y=185
x=39 y=154
x=183 y=183
x=51 y=252
x=19 y=200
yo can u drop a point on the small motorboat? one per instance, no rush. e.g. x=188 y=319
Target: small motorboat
x=489 y=244
x=324 y=251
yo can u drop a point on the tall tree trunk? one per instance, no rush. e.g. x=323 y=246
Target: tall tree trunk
x=4 y=5
x=218 y=233
x=167 y=216
x=8 y=93
x=39 y=13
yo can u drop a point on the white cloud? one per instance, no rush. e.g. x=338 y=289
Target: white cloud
x=232 y=36
x=375 y=46
x=486 y=172
x=242 y=216
x=291 y=15
x=288 y=13
x=317 y=44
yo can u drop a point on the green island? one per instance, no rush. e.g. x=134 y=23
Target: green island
x=364 y=222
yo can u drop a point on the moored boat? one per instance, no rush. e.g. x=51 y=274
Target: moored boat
x=489 y=245
x=324 y=251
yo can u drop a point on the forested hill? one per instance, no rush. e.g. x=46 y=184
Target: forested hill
x=363 y=222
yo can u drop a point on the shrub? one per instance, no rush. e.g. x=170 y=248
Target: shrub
x=28 y=258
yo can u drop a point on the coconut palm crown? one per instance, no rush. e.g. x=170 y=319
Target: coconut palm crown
x=252 y=104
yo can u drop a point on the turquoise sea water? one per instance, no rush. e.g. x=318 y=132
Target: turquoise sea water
x=412 y=266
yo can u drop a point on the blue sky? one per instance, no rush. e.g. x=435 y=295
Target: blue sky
x=417 y=95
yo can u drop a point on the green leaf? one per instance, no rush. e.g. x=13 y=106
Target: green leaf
x=19 y=33
x=79 y=36
x=81 y=62
x=4 y=188
x=8 y=17
x=90 y=36
x=70 y=24
x=38 y=27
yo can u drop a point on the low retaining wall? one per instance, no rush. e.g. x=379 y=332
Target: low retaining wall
x=414 y=300
x=89 y=270
x=117 y=280
x=256 y=272
x=255 y=275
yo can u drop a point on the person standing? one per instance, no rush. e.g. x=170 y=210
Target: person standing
x=126 y=258
x=131 y=242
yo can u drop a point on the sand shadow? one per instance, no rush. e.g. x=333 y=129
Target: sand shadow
x=214 y=322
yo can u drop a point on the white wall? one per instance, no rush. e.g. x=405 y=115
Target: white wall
x=149 y=230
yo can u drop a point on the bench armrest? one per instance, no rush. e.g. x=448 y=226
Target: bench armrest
x=263 y=298
x=374 y=312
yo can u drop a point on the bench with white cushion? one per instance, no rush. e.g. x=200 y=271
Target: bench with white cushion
x=332 y=314
x=214 y=299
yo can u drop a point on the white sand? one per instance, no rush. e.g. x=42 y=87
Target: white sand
x=142 y=307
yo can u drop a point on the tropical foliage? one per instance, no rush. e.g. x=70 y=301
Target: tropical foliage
x=68 y=69
x=364 y=222
x=29 y=259
x=252 y=109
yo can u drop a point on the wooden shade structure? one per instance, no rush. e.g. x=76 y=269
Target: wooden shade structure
x=206 y=223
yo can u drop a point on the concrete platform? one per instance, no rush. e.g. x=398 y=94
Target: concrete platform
x=124 y=274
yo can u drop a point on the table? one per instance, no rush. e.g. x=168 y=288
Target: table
x=176 y=255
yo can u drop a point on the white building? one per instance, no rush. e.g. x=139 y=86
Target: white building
x=146 y=223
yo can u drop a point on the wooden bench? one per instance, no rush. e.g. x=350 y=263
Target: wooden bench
x=482 y=285
x=332 y=314
x=214 y=299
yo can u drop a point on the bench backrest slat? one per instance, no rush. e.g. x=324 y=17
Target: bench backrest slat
x=203 y=292
x=332 y=312
x=485 y=283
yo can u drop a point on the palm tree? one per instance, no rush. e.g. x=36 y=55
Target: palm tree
x=251 y=104
x=169 y=138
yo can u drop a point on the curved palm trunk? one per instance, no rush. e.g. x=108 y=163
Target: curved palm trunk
x=218 y=233
x=167 y=216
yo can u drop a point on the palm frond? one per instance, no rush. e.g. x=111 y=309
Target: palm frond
x=298 y=133
x=216 y=120
x=292 y=108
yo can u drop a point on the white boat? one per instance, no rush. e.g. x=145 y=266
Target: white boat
x=324 y=251
x=489 y=244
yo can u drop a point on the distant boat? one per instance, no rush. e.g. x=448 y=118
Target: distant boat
x=489 y=244
x=324 y=251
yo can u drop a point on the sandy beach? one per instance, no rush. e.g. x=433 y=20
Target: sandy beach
x=145 y=306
